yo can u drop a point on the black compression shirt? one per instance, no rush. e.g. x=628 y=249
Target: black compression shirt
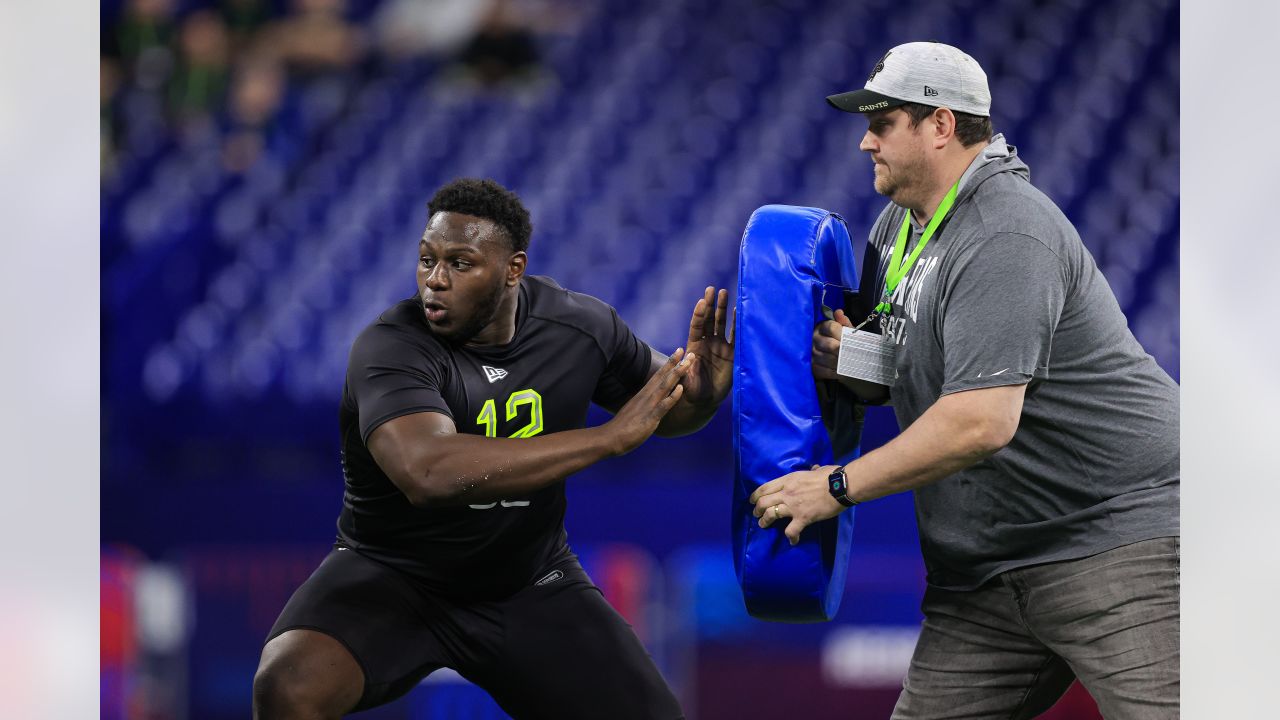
x=568 y=350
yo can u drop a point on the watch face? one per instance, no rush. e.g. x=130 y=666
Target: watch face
x=838 y=484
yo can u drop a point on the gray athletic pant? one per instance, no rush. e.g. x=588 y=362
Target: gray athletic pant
x=1011 y=648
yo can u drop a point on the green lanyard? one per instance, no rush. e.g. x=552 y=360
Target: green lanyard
x=898 y=269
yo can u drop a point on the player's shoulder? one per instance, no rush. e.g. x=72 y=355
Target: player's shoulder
x=400 y=326
x=550 y=302
x=406 y=314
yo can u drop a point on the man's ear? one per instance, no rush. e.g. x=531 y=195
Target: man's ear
x=944 y=127
x=515 y=268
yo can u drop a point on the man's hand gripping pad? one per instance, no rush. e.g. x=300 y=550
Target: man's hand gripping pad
x=790 y=256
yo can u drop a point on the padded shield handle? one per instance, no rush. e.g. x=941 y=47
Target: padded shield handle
x=790 y=257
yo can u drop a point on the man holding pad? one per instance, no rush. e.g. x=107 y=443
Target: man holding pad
x=1040 y=440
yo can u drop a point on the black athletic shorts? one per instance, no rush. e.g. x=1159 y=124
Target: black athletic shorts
x=555 y=649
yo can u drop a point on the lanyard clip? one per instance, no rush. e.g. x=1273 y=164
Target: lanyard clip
x=886 y=302
x=870 y=317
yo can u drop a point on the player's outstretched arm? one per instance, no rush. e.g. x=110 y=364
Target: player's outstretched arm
x=710 y=375
x=435 y=466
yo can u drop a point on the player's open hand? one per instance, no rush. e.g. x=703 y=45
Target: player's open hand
x=710 y=375
x=802 y=496
x=826 y=346
x=637 y=420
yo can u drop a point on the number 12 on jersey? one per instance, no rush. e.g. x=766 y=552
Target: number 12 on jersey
x=489 y=414
x=489 y=419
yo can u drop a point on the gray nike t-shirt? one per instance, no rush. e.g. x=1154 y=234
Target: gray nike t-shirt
x=1005 y=293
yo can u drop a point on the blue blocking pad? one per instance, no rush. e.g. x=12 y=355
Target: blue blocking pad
x=790 y=258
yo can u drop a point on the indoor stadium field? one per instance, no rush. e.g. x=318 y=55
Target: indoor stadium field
x=265 y=172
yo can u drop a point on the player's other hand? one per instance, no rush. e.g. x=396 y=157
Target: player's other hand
x=803 y=496
x=710 y=375
x=826 y=346
x=636 y=421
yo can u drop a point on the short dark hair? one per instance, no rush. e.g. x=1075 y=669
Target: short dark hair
x=489 y=200
x=970 y=129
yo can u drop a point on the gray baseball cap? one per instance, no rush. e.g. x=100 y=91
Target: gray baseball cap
x=928 y=73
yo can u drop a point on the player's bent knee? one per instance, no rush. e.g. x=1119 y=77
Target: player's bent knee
x=305 y=674
x=277 y=697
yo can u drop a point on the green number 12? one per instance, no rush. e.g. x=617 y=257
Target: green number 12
x=489 y=414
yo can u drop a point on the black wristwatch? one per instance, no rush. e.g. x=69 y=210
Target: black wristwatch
x=839 y=487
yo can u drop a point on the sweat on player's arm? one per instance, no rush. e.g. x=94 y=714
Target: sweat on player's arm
x=960 y=429
x=435 y=466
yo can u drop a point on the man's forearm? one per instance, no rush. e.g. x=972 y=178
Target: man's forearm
x=470 y=469
x=434 y=465
x=951 y=435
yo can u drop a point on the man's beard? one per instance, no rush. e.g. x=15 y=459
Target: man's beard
x=486 y=309
x=885 y=186
x=893 y=185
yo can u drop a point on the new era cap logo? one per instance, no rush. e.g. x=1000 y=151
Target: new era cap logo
x=494 y=374
x=928 y=91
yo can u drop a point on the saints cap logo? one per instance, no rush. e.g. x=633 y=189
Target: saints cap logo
x=879 y=66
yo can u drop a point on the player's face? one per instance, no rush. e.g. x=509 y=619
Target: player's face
x=899 y=155
x=464 y=266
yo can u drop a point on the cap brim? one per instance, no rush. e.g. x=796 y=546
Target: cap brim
x=863 y=101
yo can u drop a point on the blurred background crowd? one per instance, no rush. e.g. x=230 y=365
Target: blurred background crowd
x=265 y=171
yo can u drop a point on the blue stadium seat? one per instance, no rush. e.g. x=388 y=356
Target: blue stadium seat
x=645 y=156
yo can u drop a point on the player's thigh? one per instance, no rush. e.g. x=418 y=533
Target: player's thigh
x=975 y=659
x=569 y=655
x=388 y=628
x=1115 y=618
